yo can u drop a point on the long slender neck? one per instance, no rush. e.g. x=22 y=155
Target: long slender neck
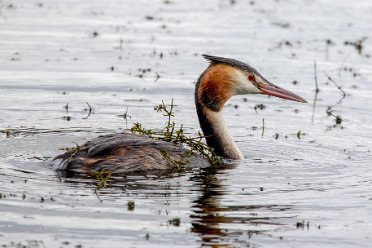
x=214 y=128
x=217 y=134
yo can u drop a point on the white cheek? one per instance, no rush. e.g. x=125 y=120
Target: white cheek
x=243 y=85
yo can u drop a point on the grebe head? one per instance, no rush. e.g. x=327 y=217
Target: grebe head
x=223 y=79
x=226 y=77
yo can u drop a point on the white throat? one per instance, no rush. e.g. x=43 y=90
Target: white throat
x=222 y=135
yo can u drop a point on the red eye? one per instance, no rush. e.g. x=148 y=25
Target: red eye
x=251 y=77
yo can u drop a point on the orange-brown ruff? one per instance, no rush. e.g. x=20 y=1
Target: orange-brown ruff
x=214 y=86
x=126 y=153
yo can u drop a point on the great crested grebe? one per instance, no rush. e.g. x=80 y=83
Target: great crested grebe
x=132 y=153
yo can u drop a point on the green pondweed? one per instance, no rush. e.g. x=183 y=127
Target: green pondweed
x=171 y=133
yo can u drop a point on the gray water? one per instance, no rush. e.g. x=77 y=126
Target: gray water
x=306 y=180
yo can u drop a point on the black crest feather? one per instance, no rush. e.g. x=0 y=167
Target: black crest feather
x=232 y=62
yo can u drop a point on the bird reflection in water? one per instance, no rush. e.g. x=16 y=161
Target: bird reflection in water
x=228 y=225
x=213 y=219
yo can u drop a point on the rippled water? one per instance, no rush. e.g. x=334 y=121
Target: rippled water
x=294 y=189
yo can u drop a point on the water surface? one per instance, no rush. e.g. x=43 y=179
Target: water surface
x=305 y=182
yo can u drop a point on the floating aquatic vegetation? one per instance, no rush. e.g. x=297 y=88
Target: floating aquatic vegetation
x=130 y=205
x=171 y=133
x=358 y=44
x=103 y=178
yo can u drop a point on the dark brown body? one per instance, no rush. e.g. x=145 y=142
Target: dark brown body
x=128 y=153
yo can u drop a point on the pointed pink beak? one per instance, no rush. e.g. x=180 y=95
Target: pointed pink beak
x=273 y=90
